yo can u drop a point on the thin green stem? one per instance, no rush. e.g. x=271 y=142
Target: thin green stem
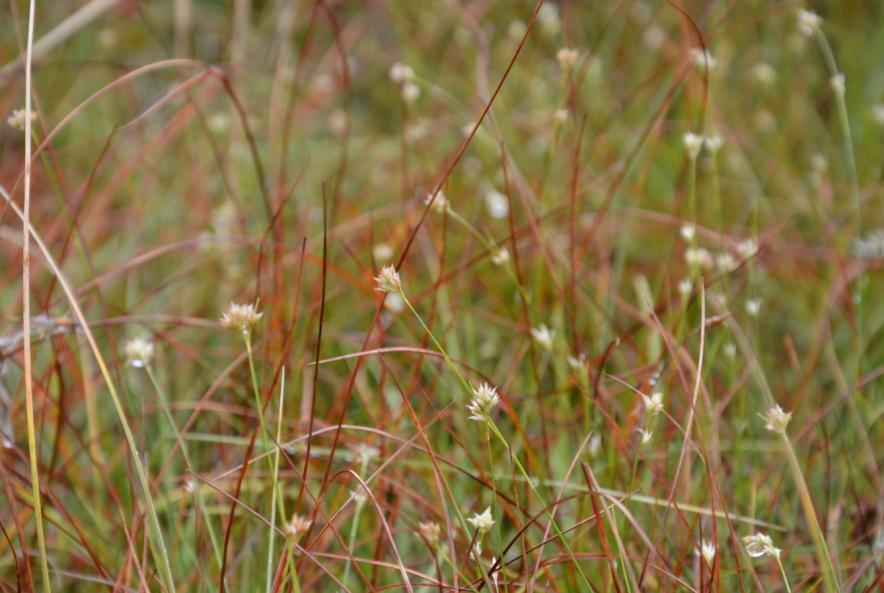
x=182 y=444
x=550 y=513
x=272 y=531
x=783 y=572
x=830 y=580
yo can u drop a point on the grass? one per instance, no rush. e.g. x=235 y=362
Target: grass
x=576 y=256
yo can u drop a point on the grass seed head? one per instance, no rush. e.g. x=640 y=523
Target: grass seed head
x=483 y=522
x=809 y=22
x=653 y=403
x=388 y=280
x=760 y=544
x=139 y=352
x=241 y=317
x=430 y=531
x=692 y=144
x=777 y=419
x=16 y=119
x=567 y=57
x=484 y=400
x=297 y=527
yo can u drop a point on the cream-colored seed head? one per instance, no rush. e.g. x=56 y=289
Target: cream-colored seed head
x=653 y=403
x=698 y=257
x=500 y=256
x=688 y=231
x=388 y=280
x=483 y=522
x=241 y=317
x=401 y=73
x=567 y=57
x=430 y=531
x=544 y=336
x=139 y=352
x=777 y=419
x=760 y=544
x=440 y=204
x=707 y=551
x=297 y=527
x=18 y=118
x=410 y=92
x=808 y=22
x=693 y=143
x=484 y=399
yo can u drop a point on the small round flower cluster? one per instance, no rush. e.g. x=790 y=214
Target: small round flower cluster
x=403 y=75
x=484 y=399
x=18 y=118
x=694 y=143
x=241 y=317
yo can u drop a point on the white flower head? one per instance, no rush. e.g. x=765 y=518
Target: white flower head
x=297 y=527
x=410 y=92
x=713 y=143
x=698 y=257
x=401 y=73
x=430 y=531
x=870 y=246
x=808 y=22
x=497 y=204
x=702 y=58
x=646 y=435
x=561 y=116
x=440 y=205
x=17 y=119
x=577 y=362
x=692 y=144
x=484 y=399
x=748 y=248
x=500 y=256
x=242 y=317
x=707 y=551
x=382 y=252
x=544 y=336
x=139 y=352
x=685 y=286
x=725 y=262
x=753 y=306
x=388 y=280
x=567 y=57
x=777 y=419
x=688 y=231
x=730 y=349
x=482 y=521
x=760 y=544
x=653 y=403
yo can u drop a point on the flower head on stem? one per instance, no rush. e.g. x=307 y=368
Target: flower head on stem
x=388 y=280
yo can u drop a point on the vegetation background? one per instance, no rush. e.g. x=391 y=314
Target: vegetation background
x=650 y=223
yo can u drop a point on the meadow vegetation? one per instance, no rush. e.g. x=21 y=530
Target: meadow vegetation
x=444 y=295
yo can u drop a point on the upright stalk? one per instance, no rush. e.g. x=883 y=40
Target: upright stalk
x=26 y=315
